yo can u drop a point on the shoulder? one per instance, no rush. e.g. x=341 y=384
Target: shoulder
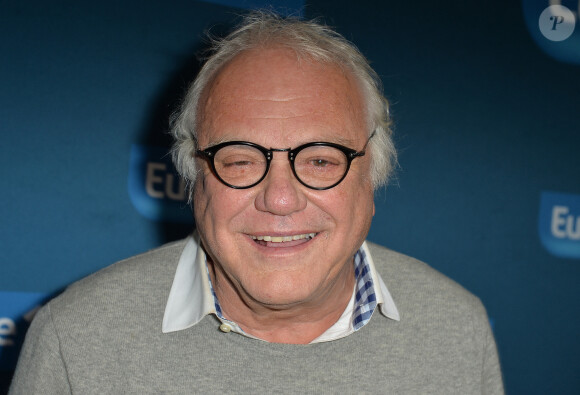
x=443 y=331
x=141 y=282
x=139 y=267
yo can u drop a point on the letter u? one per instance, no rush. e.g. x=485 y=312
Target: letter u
x=573 y=234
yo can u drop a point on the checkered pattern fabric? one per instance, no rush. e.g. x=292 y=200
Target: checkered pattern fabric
x=218 y=308
x=365 y=300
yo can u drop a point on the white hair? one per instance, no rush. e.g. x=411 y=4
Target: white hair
x=309 y=40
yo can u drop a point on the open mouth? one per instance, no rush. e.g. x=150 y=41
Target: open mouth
x=283 y=241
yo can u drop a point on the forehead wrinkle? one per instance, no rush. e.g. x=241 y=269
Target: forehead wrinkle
x=279 y=100
x=281 y=117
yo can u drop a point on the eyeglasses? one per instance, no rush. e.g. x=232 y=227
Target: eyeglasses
x=316 y=165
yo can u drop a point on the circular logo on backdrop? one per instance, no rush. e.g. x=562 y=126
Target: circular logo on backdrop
x=557 y=23
x=553 y=27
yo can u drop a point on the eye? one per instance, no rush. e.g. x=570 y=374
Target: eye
x=236 y=162
x=238 y=157
x=319 y=162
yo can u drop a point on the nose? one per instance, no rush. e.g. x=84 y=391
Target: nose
x=281 y=193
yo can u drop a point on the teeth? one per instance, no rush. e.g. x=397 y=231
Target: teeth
x=281 y=239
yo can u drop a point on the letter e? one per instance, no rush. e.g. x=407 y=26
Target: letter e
x=557 y=219
x=153 y=179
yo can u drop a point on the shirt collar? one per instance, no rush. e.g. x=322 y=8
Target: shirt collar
x=191 y=298
x=384 y=299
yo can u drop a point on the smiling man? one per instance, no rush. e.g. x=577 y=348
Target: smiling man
x=293 y=284
x=283 y=138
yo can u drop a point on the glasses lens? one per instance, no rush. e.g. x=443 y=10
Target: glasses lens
x=240 y=165
x=320 y=166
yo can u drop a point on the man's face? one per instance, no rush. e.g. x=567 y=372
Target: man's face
x=270 y=98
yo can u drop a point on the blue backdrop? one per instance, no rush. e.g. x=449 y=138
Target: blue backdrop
x=485 y=97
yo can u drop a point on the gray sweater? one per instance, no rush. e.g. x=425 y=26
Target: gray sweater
x=103 y=336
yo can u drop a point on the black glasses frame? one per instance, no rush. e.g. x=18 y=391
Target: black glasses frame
x=351 y=154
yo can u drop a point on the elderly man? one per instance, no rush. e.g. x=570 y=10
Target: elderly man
x=283 y=138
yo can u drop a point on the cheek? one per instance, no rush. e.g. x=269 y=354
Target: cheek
x=200 y=201
x=355 y=207
x=201 y=195
x=351 y=207
x=216 y=205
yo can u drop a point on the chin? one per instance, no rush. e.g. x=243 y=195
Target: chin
x=282 y=291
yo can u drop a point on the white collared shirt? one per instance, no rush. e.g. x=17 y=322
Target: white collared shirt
x=191 y=297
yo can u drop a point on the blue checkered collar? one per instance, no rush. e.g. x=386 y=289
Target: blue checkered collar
x=191 y=296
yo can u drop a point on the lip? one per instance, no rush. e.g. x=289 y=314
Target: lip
x=284 y=238
x=271 y=241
